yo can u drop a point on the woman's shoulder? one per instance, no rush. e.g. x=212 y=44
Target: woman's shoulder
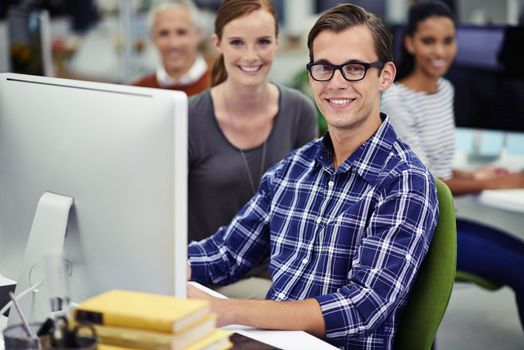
x=393 y=93
x=200 y=111
x=292 y=95
x=294 y=102
x=201 y=99
x=444 y=86
x=200 y=105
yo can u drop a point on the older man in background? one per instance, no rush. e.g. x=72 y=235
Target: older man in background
x=177 y=36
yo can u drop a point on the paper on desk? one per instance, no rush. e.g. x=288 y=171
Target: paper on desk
x=4 y=281
x=207 y=290
x=287 y=340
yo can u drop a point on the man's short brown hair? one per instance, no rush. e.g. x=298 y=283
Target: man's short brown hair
x=344 y=16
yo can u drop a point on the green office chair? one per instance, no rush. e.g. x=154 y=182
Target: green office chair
x=433 y=285
x=479 y=281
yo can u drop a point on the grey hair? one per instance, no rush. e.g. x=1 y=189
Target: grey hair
x=161 y=5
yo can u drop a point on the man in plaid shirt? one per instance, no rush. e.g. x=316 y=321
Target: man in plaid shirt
x=346 y=220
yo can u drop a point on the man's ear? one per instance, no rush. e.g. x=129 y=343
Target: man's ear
x=216 y=43
x=387 y=75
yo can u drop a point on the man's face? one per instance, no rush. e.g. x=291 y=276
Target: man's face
x=349 y=104
x=176 y=38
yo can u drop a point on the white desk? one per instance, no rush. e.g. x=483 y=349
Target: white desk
x=287 y=340
x=503 y=209
x=512 y=200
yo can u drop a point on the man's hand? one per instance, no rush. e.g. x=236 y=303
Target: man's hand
x=217 y=304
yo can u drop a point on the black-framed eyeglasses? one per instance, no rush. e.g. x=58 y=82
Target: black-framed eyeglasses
x=351 y=71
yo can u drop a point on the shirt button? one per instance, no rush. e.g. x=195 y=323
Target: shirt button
x=319 y=220
x=408 y=257
x=281 y=295
x=331 y=184
x=304 y=261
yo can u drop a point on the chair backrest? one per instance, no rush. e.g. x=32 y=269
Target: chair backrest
x=432 y=288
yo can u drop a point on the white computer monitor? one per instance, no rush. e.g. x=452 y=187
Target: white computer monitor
x=120 y=153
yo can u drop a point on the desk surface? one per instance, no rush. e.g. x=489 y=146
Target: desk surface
x=287 y=340
x=503 y=209
x=512 y=200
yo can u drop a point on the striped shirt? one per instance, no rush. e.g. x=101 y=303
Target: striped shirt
x=425 y=122
x=351 y=238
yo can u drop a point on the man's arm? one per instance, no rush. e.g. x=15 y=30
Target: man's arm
x=266 y=314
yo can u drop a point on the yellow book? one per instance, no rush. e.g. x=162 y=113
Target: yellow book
x=110 y=347
x=145 y=339
x=161 y=313
x=218 y=340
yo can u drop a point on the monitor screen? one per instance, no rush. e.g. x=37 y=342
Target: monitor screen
x=120 y=153
x=489 y=89
x=29 y=41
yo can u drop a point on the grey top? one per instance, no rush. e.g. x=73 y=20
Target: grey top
x=218 y=182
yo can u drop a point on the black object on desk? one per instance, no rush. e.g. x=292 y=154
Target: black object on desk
x=242 y=342
x=81 y=336
x=5 y=289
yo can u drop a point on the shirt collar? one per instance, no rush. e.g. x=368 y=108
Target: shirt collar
x=369 y=159
x=194 y=73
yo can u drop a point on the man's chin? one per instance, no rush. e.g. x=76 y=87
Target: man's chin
x=176 y=65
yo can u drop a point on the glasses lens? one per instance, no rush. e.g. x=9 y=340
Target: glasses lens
x=321 y=71
x=354 y=71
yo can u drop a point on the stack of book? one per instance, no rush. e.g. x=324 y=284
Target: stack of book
x=137 y=320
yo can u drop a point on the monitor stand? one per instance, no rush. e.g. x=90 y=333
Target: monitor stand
x=477 y=157
x=46 y=239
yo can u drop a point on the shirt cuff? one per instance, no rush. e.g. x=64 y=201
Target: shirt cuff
x=335 y=310
x=199 y=268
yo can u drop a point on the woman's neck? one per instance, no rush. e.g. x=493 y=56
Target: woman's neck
x=242 y=98
x=245 y=115
x=421 y=82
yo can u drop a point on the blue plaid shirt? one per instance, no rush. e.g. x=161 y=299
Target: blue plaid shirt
x=353 y=238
